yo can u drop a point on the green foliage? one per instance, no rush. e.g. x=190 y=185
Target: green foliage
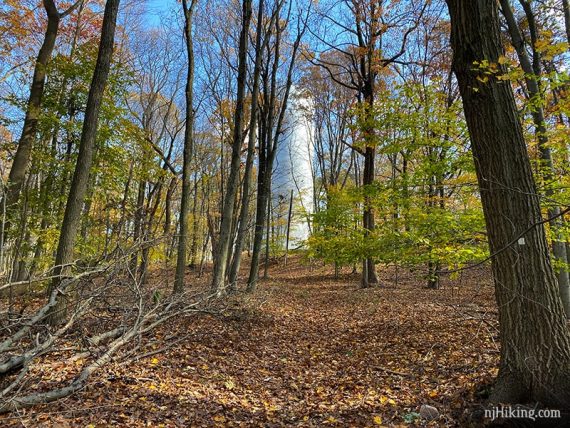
x=427 y=209
x=337 y=237
x=54 y=156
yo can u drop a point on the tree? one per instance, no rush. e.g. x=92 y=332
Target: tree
x=332 y=118
x=566 y=7
x=272 y=114
x=532 y=69
x=260 y=46
x=226 y=236
x=535 y=345
x=22 y=156
x=363 y=60
x=188 y=149
x=80 y=179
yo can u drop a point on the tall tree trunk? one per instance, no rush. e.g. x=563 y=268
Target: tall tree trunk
x=260 y=208
x=188 y=149
x=368 y=268
x=25 y=143
x=24 y=150
x=225 y=240
x=270 y=133
x=244 y=211
x=535 y=345
x=80 y=179
x=533 y=71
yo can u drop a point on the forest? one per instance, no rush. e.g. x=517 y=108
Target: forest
x=284 y=213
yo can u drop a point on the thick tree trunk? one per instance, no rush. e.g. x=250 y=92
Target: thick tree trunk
x=80 y=179
x=535 y=345
x=188 y=151
x=225 y=240
x=368 y=268
x=533 y=71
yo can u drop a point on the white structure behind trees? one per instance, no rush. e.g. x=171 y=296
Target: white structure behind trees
x=293 y=174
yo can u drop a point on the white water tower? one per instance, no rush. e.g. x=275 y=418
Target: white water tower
x=293 y=172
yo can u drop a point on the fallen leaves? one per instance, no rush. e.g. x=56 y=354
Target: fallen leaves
x=318 y=352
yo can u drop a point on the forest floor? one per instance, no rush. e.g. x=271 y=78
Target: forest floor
x=306 y=350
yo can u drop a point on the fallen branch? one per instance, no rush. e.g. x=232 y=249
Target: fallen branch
x=18 y=361
x=43 y=312
x=144 y=323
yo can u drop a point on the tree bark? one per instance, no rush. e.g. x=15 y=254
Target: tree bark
x=80 y=179
x=244 y=211
x=194 y=244
x=225 y=240
x=188 y=151
x=368 y=268
x=535 y=345
x=28 y=135
x=25 y=143
x=533 y=71
x=261 y=209
x=270 y=132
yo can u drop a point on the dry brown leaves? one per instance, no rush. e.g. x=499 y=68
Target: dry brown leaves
x=307 y=350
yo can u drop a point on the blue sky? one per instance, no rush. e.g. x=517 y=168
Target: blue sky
x=154 y=8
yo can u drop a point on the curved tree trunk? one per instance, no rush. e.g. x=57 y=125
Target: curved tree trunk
x=26 y=141
x=535 y=345
x=24 y=150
